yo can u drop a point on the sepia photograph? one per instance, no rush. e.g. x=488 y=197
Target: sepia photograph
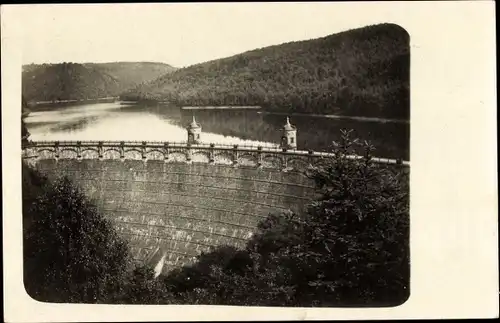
x=278 y=176
x=213 y=154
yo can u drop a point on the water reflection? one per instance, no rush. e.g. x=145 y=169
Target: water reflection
x=390 y=139
x=115 y=121
x=76 y=125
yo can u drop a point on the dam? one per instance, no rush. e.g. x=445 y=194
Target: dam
x=172 y=201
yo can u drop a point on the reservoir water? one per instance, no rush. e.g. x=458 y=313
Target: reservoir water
x=157 y=122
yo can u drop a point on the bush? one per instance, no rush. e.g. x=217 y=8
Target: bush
x=351 y=248
x=141 y=287
x=71 y=252
x=356 y=235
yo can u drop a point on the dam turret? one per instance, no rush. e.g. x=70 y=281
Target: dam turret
x=289 y=137
x=194 y=132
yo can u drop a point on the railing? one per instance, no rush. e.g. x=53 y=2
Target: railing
x=178 y=144
x=151 y=149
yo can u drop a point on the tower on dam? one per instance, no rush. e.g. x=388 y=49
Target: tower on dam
x=194 y=132
x=289 y=137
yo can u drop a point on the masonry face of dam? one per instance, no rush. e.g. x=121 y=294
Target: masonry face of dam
x=175 y=204
x=173 y=201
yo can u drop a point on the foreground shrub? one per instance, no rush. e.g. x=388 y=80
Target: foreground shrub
x=72 y=253
x=351 y=248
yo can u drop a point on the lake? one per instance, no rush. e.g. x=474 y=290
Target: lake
x=157 y=122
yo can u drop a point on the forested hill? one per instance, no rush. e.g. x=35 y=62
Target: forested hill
x=72 y=81
x=362 y=72
x=132 y=74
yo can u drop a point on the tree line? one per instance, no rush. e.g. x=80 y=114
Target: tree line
x=361 y=72
x=74 y=81
x=350 y=248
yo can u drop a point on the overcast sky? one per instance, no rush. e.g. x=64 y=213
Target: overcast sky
x=180 y=34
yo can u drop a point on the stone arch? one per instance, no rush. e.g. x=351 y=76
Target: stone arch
x=272 y=161
x=177 y=156
x=89 y=153
x=46 y=153
x=68 y=153
x=133 y=154
x=155 y=154
x=223 y=157
x=200 y=156
x=297 y=164
x=30 y=152
x=247 y=159
x=111 y=153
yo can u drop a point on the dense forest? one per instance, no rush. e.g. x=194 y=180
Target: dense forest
x=350 y=248
x=360 y=72
x=72 y=81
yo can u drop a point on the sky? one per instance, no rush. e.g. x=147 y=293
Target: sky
x=179 y=34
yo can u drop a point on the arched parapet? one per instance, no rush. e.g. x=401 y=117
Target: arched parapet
x=200 y=156
x=274 y=160
x=89 y=153
x=68 y=153
x=111 y=153
x=30 y=156
x=248 y=159
x=223 y=157
x=29 y=152
x=244 y=156
x=177 y=155
x=46 y=153
x=155 y=154
x=297 y=164
x=132 y=153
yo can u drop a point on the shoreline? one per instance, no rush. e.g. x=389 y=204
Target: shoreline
x=229 y=107
x=261 y=110
x=258 y=109
x=40 y=103
x=333 y=116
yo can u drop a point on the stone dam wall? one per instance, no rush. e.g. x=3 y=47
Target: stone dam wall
x=173 y=202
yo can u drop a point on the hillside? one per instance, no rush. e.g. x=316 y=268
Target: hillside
x=132 y=74
x=361 y=72
x=73 y=81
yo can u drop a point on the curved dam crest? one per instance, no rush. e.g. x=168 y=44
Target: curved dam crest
x=174 y=201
